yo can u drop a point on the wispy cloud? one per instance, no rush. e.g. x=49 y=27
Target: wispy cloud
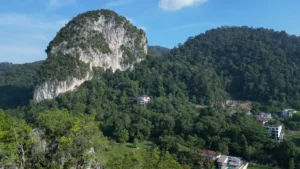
x=117 y=3
x=21 y=52
x=55 y=4
x=22 y=21
x=21 y=49
x=174 y=5
x=25 y=37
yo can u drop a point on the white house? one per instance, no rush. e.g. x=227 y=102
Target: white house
x=275 y=131
x=225 y=162
x=288 y=112
x=143 y=100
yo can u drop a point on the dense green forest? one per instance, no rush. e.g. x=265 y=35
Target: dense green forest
x=254 y=64
x=17 y=82
x=230 y=62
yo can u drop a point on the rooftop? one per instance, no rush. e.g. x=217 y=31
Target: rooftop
x=222 y=159
x=208 y=152
x=262 y=119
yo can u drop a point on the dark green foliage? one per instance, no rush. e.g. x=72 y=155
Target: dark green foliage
x=97 y=41
x=254 y=64
x=159 y=50
x=293 y=123
x=129 y=57
x=61 y=66
x=17 y=83
x=18 y=74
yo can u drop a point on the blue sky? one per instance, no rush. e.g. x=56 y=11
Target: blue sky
x=27 y=26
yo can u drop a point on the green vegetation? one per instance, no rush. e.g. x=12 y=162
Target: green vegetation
x=17 y=82
x=129 y=57
x=119 y=150
x=258 y=167
x=62 y=140
x=61 y=66
x=97 y=41
x=252 y=64
x=159 y=50
x=293 y=123
x=293 y=136
x=229 y=62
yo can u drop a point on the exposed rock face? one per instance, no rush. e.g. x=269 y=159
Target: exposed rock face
x=93 y=39
x=51 y=89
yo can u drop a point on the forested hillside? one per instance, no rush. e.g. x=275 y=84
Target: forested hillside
x=229 y=62
x=17 y=82
x=256 y=64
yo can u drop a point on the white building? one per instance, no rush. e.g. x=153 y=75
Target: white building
x=288 y=112
x=143 y=100
x=226 y=162
x=275 y=131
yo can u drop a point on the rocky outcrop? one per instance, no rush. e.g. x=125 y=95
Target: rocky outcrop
x=96 y=39
x=51 y=89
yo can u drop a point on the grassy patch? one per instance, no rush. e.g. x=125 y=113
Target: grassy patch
x=118 y=150
x=255 y=166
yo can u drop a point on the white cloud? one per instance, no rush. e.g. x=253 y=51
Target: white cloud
x=174 y=5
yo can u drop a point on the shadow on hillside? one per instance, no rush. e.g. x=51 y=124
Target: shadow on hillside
x=14 y=96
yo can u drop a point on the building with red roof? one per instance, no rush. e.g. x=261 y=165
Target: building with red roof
x=212 y=155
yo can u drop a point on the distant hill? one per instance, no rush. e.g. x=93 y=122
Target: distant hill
x=158 y=50
x=17 y=82
x=252 y=64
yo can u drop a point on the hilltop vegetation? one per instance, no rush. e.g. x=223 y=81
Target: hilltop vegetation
x=252 y=64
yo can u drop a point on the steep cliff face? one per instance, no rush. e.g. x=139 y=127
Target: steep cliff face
x=99 y=38
x=51 y=89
